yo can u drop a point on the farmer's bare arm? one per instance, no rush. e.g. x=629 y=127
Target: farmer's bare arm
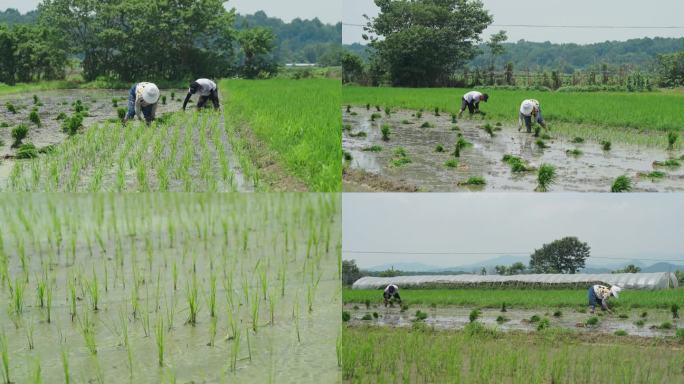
x=187 y=99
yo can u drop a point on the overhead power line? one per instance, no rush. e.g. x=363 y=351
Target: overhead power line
x=496 y=253
x=567 y=26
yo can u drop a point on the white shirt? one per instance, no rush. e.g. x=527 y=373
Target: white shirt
x=396 y=289
x=206 y=86
x=473 y=96
x=528 y=106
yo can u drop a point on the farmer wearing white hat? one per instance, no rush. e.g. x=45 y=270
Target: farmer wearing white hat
x=528 y=109
x=471 y=100
x=206 y=89
x=391 y=293
x=142 y=102
x=601 y=293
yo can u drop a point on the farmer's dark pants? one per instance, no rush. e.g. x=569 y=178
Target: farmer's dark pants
x=471 y=106
x=592 y=298
x=147 y=111
x=528 y=120
x=213 y=96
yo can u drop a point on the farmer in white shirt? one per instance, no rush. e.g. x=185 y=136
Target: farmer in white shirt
x=391 y=293
x=206 y=89
x=528 y=109
x=601 y=294
x=142 y=102
x=471 y=100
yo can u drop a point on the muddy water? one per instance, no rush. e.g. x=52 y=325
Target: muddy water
x=454 y=318
x=274 y=353
x=593 y=171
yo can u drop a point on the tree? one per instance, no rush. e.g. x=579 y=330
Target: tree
x=350 y=272
x=256 y=44
x=631 y=268
x=671 y=69
x=423 y=42
x=516 y=269
x=352 y=67
x=509 y=74
x=483 y=271
x=566 y=255
x=7 y=63
x=496 y=49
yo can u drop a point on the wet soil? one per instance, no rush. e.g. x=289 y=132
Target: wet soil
x=592 y=171
x=454 y=318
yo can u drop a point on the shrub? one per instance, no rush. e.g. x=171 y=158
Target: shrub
x=19 y=133
x=622 y=184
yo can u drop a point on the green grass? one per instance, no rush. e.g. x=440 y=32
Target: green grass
x=615 y=109
x=298 y=120
x=520 y=298
x=481 y=355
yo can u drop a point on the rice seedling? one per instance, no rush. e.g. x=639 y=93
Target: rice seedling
x=386 y=131
x=65 y=364
x=5 y=358
x=535 y=319
x=474 y=315
x=48 y=303
x=235 y=350
x=665 y=325
x=461 y=144
x=680 y=334
x=18 y=296
x=543 y=324
x=537 y=130
x=419 y=114
x=573 y=152
x=94 y=291
x=11 y=108
x=672 y=163
x=367 y=317
x=377 y=108
x=29 y=334
x=622 y=184
x=453 y=118
x=19 y=133
x=405 y=122
x=72 y=124
x=372 y=148
x=546 y=177
x=674 y=309
x=557 y=314
x=35 y=118
x=388 y=111
x=516 y=163
x=502 y=319
x=436 y=111
x=159 y=333
x=400 y=157
x=577 y=140
x=541 y=144
x=426 y=125
x=503 y=307
x=653 y=175
x=87 y=329
x=489 y=129
x=672 y=138
x=375 y=116
x=644 y=314
x=473 y=181
x=593 y=320
x=420 y=315
x=358 y=134
x=121 y=113
x=368 y=107
x=623 y=316
x=439 y=148
x=606 y=145
x=451 y=163
x=640 y=323
x=193 y=303
x=620 y=332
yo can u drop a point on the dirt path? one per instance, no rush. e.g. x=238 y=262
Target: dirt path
x=592 y=171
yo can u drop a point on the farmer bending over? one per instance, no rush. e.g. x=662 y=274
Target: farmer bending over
x=602 y=293
x=472 y=101
x=142 y=102
x=206 y=89
x=528 y=109
x=391 y=293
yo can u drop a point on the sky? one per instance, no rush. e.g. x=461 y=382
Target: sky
x=328 y=11
x=556 y=12
x=630 y=225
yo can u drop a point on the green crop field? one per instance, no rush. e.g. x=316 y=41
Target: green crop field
x=298 y=120
x=482 y=355
x=521 y=298
x=618 y=116
x=169 y=287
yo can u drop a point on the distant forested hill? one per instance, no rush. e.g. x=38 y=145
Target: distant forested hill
x=523 y=54
x=307 y=41
x=11 y=16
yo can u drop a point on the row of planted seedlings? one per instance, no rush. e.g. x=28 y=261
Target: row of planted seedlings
x=94 y=279
x=186 y=153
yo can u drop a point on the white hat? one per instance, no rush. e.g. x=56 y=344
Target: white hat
x=615 y=290
x=527 y=107
x=150 y=93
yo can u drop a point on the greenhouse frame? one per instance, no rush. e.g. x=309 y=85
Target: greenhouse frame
x=660 y=280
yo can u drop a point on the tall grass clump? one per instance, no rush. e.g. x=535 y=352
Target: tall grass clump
x=622 y=184
x=546 y=177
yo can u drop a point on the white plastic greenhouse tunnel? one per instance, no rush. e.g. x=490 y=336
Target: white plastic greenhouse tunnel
x=660 y=280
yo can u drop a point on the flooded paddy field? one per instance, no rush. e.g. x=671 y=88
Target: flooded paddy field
x=180 y=152
x=170 y=288
x=416 y=153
